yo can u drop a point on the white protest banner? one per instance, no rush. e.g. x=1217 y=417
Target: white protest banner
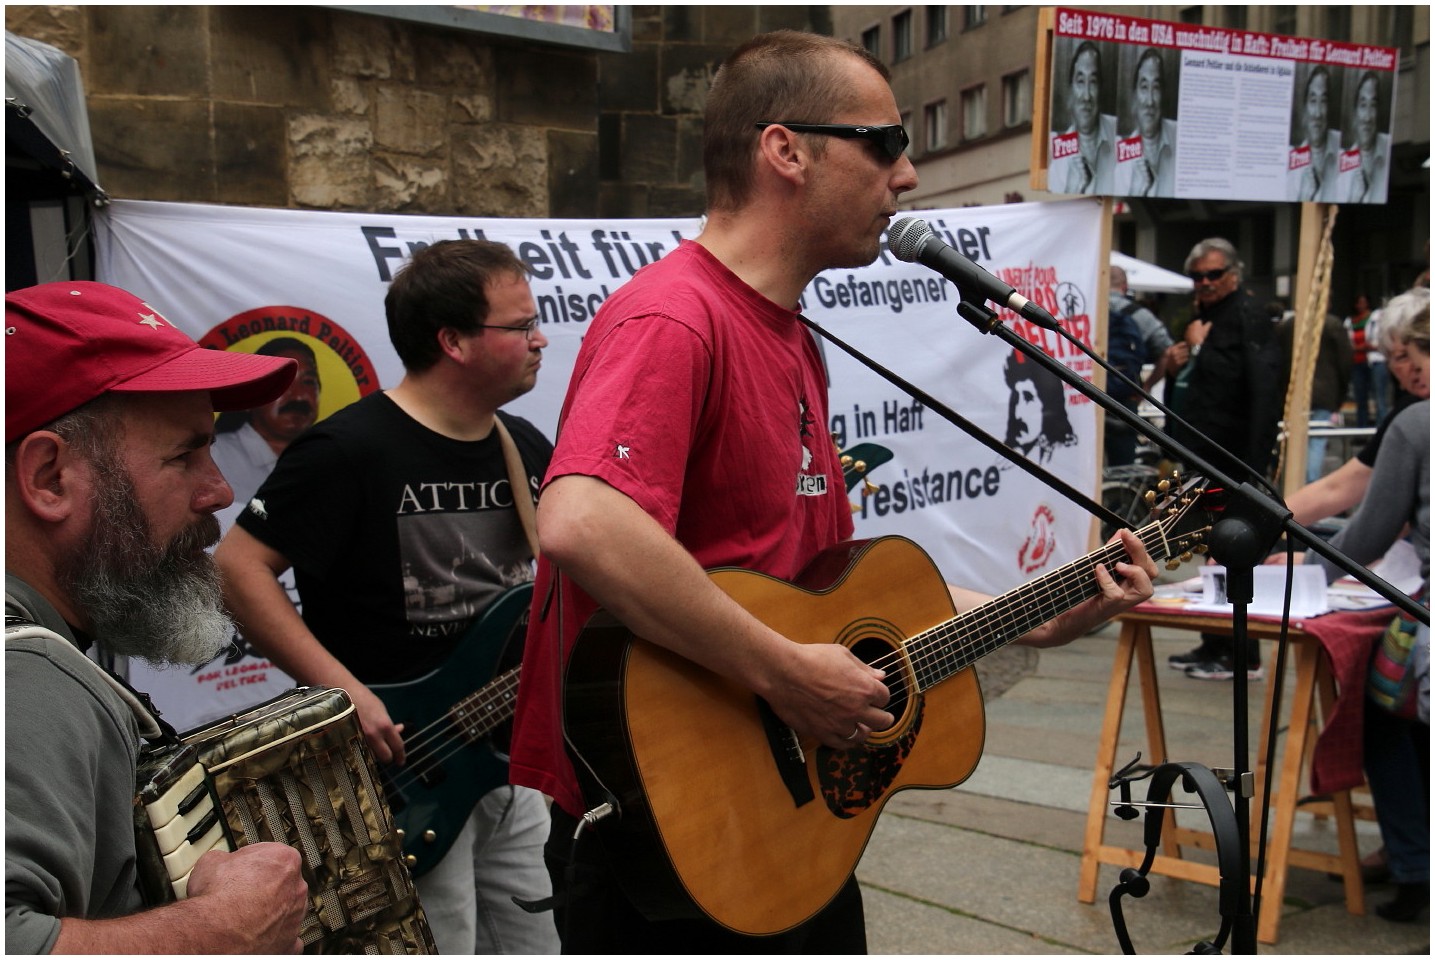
x=1148 y=108
x=239 y=278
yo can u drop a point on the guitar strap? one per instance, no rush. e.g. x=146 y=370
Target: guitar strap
x=518 y=482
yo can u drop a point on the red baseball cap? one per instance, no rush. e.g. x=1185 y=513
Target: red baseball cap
x=68 y=342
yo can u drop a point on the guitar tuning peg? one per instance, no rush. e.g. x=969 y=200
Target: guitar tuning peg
x=1186 y=557
x=855 y=508
x=1150 y=496
x=868 y=488
x=1164 y=486
x=1173 y=564
x=846 y=462
x=1202 y=549
x=860 y=466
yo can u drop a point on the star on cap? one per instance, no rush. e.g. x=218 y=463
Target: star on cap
x=149 y=320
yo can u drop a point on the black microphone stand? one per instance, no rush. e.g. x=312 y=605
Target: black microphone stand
x=1247 y=532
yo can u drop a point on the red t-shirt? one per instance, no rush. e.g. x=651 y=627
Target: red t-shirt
x=705 y=403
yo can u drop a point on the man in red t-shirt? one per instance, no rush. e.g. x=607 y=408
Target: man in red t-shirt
x=694 y=435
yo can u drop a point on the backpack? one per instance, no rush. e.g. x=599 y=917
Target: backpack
x=1125 y=350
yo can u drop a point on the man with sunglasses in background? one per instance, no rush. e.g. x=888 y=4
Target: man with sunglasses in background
x=1224 y=381
x=695 y=435
x=400 y=520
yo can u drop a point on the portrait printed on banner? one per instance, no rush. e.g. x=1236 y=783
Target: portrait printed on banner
x=1082 y=150
x=1146 y=101
x=1364 y=167
x=1312 y=170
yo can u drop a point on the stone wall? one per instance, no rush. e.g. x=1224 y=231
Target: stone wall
x=310 y=107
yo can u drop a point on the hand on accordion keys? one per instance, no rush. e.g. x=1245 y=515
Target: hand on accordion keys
x=257 y=892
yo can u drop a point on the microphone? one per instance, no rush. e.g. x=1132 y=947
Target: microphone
x=913 y=241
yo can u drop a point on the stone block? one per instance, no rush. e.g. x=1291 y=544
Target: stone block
x=410 y=184
x=500 y=170
x=273 y=55
x=330 y=162
x=61 y=27
x=471 y=108
x=686 y=73
x=647 y=24
x=153 y=149
x=618 y=201
x=549 y=88
x=148 y=51
x=795 y=17
x=348 y=95
x=629 y=81
x=572 y=174
x=371 y=47
x=729 y=25
x=454 y=59
x=649 y=149
x=250 y=160
x=409 y=120
x=689 y=169
x=675 y=201
x=681 y=23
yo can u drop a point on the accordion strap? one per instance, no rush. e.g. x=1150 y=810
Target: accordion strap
x=152 y=726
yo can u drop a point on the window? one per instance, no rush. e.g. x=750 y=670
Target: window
x=936 y=25
x=1016 y=99
x=1284 y=22
x=1337 y=23
x=1236 y=17
x=974 y=17
x=974 y=112
x=872 y=41
x=1193 y=15
x=902 y=36
x=935 y=120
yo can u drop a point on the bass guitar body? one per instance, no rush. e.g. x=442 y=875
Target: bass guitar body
x=721 y=808
x=450 y=716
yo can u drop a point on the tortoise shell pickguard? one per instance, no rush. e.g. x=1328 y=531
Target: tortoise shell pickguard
x=851 y=781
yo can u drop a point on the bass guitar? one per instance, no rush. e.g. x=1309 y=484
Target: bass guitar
x=449 y=731
x=720 y=809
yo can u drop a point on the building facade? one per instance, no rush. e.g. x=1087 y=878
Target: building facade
x=965 y=77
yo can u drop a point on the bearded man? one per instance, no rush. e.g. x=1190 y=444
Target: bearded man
x=110 y=495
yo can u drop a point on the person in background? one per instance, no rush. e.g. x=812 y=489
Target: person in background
x=110 y=496
x=400 y=520
x=1329 y=383
x=1134 y=338
x=1227 y=391
x=1361 y=343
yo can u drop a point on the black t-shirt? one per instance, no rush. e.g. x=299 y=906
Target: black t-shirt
x=398 y=536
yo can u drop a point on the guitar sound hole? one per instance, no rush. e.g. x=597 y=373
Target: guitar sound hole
x=878 y=652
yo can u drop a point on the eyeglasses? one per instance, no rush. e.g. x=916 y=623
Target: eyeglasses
x=1210 y=276
x=890 y=138
x=529 y=328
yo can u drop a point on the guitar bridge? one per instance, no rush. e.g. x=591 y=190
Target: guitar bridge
x=787 y=753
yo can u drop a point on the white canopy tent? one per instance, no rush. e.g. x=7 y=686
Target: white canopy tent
x=1143 y=277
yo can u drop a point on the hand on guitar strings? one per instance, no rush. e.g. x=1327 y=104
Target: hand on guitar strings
x=385 y=738
x=1118 y=590
x=825 y=693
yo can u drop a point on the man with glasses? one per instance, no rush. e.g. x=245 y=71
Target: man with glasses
x=1224 y=381
x=695 y=435
x=400 y=520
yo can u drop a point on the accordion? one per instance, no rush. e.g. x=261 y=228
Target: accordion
x=294 y=770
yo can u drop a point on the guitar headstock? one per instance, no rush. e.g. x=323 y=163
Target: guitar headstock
x=859 y=460
x=1181 y=523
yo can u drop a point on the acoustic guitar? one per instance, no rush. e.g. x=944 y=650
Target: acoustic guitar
x=721 y=810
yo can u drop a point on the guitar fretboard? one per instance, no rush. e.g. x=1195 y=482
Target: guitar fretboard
x=956 y=644
x=478 y=714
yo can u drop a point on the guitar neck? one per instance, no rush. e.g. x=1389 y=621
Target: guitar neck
x=479 y=713
x=956 y=644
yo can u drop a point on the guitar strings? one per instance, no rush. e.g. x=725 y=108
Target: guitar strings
x=1073 y=582
x=425 y=747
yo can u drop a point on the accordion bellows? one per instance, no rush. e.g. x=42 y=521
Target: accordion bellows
x=294 y=770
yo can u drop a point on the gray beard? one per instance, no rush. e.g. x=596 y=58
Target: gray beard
x=162 y=604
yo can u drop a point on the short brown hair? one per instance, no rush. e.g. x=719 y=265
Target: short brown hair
x=783 y=75
x=441 y=286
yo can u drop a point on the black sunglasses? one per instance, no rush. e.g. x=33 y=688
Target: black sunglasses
x=890 y=138
x=1210 y=276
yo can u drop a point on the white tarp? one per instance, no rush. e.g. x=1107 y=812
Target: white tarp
x=235 y=277
x=1143 y=277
